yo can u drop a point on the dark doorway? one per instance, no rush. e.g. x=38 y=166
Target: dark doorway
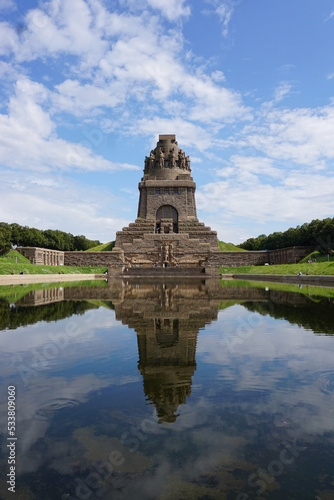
x=167 y=212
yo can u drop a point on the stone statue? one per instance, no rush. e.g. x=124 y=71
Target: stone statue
x=181 y=159
x=165 y=253
x=187 y=163
x=172 y=158
x=147 y=163
x=161 y=157
x=152 y=159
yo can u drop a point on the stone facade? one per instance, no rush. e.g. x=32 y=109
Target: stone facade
x=167 y=232
x=42 y=256
x=117 y=261
x=290 y=255
x=95 y=259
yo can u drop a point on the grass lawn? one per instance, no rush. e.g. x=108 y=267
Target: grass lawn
x=229 y=247
x=324 y=266
x=105 y=247
x=13 y=262
x=314 y=268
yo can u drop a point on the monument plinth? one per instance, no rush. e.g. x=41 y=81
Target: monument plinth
x=166 y=233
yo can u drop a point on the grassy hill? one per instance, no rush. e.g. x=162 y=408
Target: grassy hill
x=229 y=247
x=314 y=268
x=14 y=257
x=319 y=257
x=105 y=247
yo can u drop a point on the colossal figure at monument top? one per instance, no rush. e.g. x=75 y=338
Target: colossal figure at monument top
x=167 y=182
x=167 y=232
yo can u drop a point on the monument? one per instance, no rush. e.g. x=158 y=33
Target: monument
x=167 y=237
x=167 y=232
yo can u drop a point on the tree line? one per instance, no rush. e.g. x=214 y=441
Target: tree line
x=24 y=236
x=14 y=317
x=318 y=234
x=316 y=316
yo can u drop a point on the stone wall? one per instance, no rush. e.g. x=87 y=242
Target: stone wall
x=231 y=259
x=147 y=251
x=88 y=258
x=42 y=256
x=154 y=194
x=290 y=255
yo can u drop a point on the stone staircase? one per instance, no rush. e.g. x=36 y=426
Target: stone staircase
x=198 y=230
x=134 y=230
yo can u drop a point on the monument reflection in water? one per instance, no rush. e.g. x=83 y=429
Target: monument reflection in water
x=167 y=318
x=237 y=404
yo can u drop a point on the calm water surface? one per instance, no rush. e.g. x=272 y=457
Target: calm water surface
x=168 y=390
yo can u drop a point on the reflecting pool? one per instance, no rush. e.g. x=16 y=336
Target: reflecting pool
x=168 y=389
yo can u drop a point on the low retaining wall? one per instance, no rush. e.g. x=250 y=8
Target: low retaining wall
x=239 y=258
x=289 y=255
x=102 y=259
x=217 y=258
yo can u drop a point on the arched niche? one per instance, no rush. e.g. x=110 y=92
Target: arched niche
x=167 y=219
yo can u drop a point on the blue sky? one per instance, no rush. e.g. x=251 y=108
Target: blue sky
x=86 y=87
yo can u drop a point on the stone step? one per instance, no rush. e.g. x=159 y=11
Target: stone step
x=165 y=271
x=138 y=229
x=141 y=224
x=191 y=223
x=193 y=228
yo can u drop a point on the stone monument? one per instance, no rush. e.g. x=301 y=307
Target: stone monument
x=167 y=232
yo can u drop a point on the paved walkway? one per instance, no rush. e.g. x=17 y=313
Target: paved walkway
x=19 y=279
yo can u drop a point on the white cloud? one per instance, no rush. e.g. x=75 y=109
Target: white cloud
x=77 y=99
x=214 y=103
x=330 y=16
x=8 y=39
x=172 y=10
x=309 y=196
x=28 y=137
x=123 y=56
x=60 y=27
x=224 y=12
x=302 y=135
x=8 y=72
x=248 y=171
x=282 y=91
x=187 y=133
x=218 y=76
x=57 y=204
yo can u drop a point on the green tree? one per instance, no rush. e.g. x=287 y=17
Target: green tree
x=81 y=243
x=5 y=236
x=318 y=234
